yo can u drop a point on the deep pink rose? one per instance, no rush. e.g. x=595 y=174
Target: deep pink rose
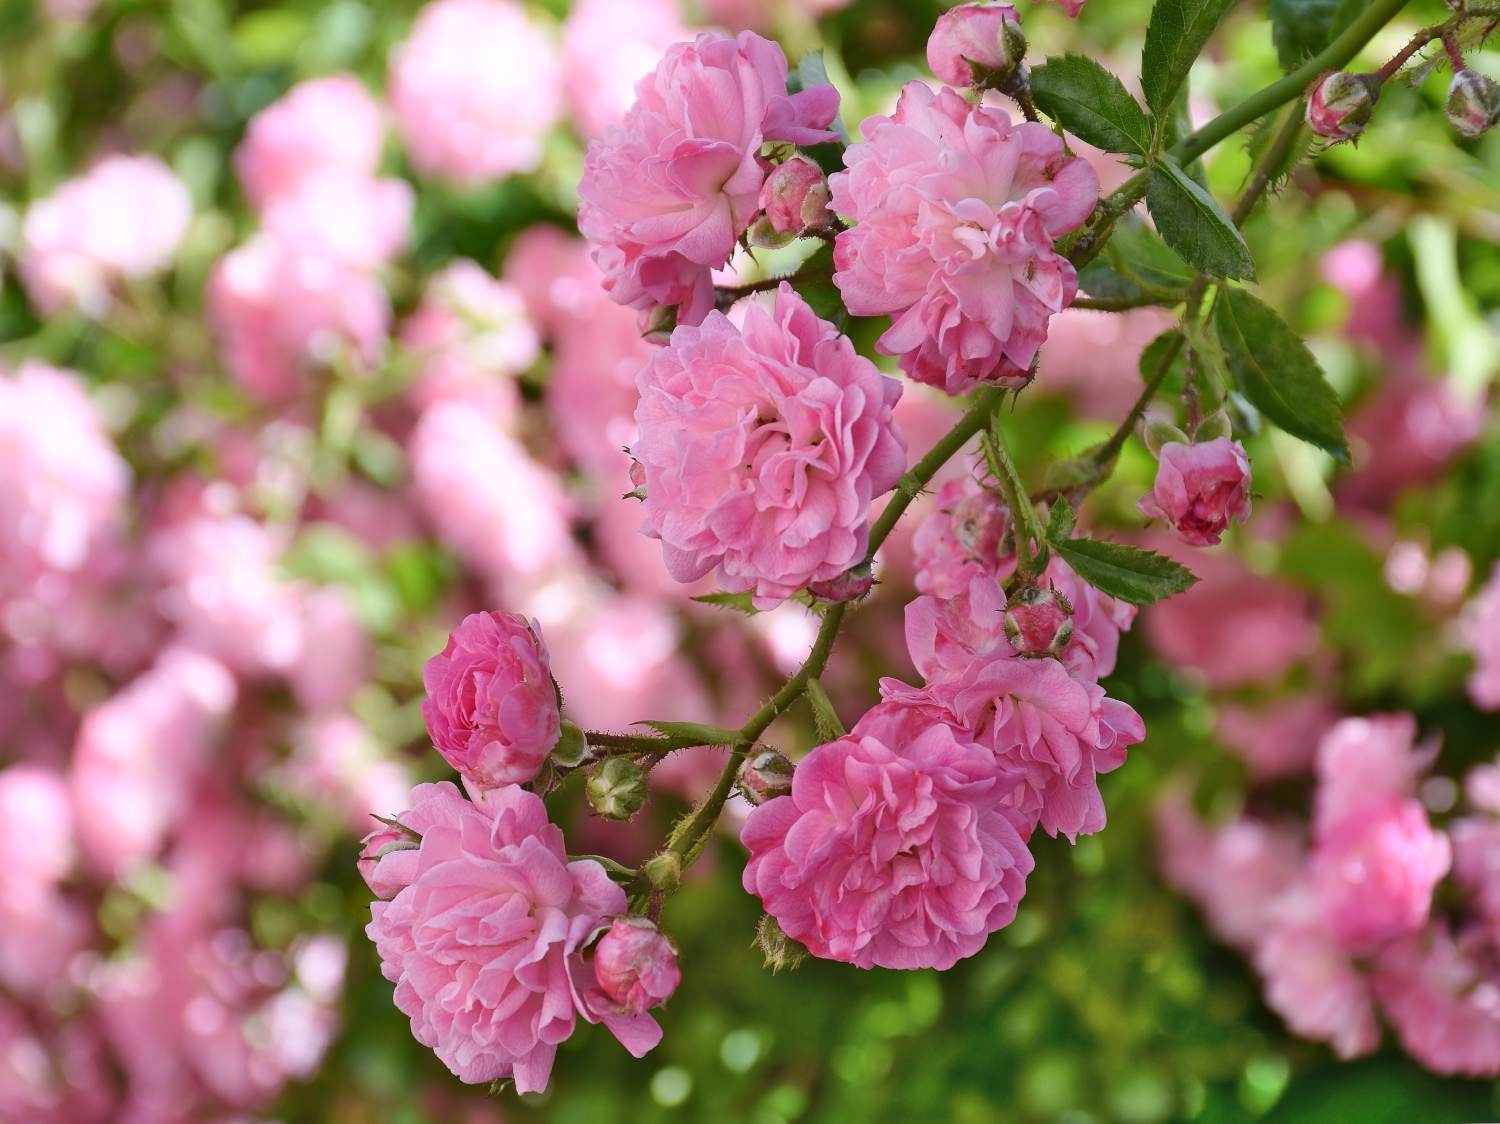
x=1200 y=489
x=894 y=849
x=1442 y=994
x=763 y=448
x=957 y=210
x=986 y=35
x=475 y=89
x=325 y=124
x=491 y=706
x=484 y=944
x=667 y=192
x=635 y=965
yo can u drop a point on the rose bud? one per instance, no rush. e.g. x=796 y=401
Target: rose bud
x=795 y=197
x=1473 y=103
x=764 y=777
x=616 y=788
x=1200 y=489
x=385 y=879
x=636 y=965
x=491 y=706
x=1039 y=622
x=851 y=585
x=1341 y=104
x=572 y=748
x=976 y=44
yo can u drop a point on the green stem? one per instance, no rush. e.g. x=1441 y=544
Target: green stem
x=1031 y=537
x=637 y=743
x=1124 y=304
x=1107 y=452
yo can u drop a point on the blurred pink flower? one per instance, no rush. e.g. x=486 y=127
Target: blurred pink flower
x=1366 y=762
x=1481 y=633
x=1278 y=738
x=592 y=396
x=333 y=659
x=326 y=124
x=559 y=282
x=607 y=48
x=667 y=192
x=1200 y=489
x=957 y=210
x=352 y=219
x=763 y=448
x=1476 y=865
x=760 y=15
x=121 y=220
x=1311 y=982
x=1093 y=358
x=1442 y=994
x=894 y=849
x=475 y=90
x=1405 y=435
x=337 y=763
x=494 y=1001
x=36 y=830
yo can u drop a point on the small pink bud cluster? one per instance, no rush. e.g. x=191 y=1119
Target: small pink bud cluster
x=1341 y=104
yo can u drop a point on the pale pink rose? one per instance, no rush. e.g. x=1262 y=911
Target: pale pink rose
x=1442 y=994
x=353 y=219
x=281 y=313
x=945 y=636
x=607 y=48
x=1200 y=489
x=1315 y=987
x=121 y=220
x=895 y=848
x=333 y=658
x=1375 y=870
x=389 y=859
x=957 y=209
x=1481 y=633
x=63 y=487
x=506 y=515
x=635 y=965
x=1367 y=761
x=326 y=124
x=494 y=1001
x=475 y=90
x=137 y=755
x=224 y=594
x=763 y=448
x=1278 y=738
x=984 y=35
x=1234 y=871
x=491 y=705
x=667 y=192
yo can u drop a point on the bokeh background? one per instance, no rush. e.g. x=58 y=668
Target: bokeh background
x=288 y=492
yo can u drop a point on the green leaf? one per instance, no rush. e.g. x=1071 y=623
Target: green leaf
x=1194 y=225
x=1178 y=31
x=1138 y=254
x=1060 y=520
x=739 y=602
x=826 y=720
x=1302 y=28
x=1140 y=577
x=1277 y=373
x=1091 y=103
x=698 y=733
x=1165 y=348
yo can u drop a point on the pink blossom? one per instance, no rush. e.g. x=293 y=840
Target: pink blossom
x=1200 y=489
x=389 y=860
x=957 y=210
x=121 y=220
x=607 y=48
x=894 y=848
x=36 y=829
x=760 y=15
x=763 y=448
x=1442 y=994
x=352 y=219
x=1405 y=435
x=962 y=536
x=1311 y=982
x=1476 y=865
x=475 y=90
x=984 y=35
x=1279 y=738
x=337 y=764
x=559 y=282
x=1375 y=870
x=333 y=658
x=326 y=124
x=945 y=636
x=491 y=705
x=667 y=192
x=1481 y=633
x=1072 y=7
x=592 y=396
x=635 y=965
x=1367 y=761
x=494 y=1000
x=280 y=313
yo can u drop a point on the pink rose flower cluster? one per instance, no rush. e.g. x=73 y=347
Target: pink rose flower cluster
x=1340 y=919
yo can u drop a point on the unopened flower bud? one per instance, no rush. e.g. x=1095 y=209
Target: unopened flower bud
x=765 y=776
x=572 y=747
x=616 y=788
x=1039 y=622
x=1341 y=104
x=387 y=880
x=763 y=235
x=1160 y=433
x=851 y=585
x=663 y=870
x=795 y=197
x=976 y=45
x=636 y=965
x=657 y=325
x=779 y=949
x=1473 y=103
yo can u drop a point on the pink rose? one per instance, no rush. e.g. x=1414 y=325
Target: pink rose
x=894 y=849
x=1367 y=761
x=122 y=219
x=962 y=536
x=1375 y=871
x=1476 y=865
x=1481 y=633
x=763 y=448
x=333 y=660
x=1200 y=489
x=667 y=192
x=326 y=124
x=945 y=636
x=475 y=90
x=984 y=35
x=607 y=48
x=493 y=999
x=388 y=858
x=957 y=210
x=1442 y=994
x=492 y=706
x=1311 y=982
x=1406 y=435
x=635 y=965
